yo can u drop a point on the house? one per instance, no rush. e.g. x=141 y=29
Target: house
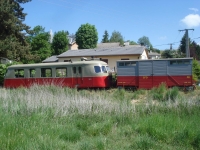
x=51 y=59
x=72 y=42
x=110 y=53
x=154 y=55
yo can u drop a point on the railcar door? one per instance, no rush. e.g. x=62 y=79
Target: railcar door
x=159 y=72
x=77 y=76
x=145 y=72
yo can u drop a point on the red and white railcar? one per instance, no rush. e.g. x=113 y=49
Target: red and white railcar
x=145 y=74
x=80 y=74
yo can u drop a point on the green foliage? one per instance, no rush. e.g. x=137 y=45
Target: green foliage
x=144 y=41
x=12 y=31
x=60 y=42
x=30 y=119
x=117 y=37
x=40 y=46
x=172 y=94
x=3 y=69
x=86 y=36
x=158 y=93
x=105 y=37
x=132 y=43
x=171 y=54
x=195 y=70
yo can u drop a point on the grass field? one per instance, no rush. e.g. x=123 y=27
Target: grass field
x=52 y=118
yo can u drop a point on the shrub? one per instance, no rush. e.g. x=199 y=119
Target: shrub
x=158 y=93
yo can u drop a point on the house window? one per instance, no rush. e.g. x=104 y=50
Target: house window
x=105 y=60
x=125 y=59
x=67 y=60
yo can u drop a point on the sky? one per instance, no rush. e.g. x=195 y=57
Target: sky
x=159 y=20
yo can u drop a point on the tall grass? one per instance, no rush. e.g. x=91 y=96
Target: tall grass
x=49 y=117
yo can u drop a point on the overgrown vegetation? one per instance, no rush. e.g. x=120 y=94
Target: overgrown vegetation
x=62 y=118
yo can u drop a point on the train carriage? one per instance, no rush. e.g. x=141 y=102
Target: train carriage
x=145 y=74
x=80 y=74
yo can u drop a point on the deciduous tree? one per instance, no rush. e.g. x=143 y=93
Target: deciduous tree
x=144 y=41
x=86 y=36
x=117 y=37
x=60 y=42
x=40 y=45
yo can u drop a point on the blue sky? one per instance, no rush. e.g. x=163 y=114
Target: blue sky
x=159 y=20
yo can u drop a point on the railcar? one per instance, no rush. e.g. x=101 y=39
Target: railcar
x=146 y=74
x=80 y=74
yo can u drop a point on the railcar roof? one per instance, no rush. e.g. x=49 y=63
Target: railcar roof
x=156 y=59
x=57 y=64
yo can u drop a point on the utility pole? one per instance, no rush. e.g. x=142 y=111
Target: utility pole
x=187 y=51
x=171 y=45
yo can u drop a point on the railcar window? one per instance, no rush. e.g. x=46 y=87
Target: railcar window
x=107 y=68
x=97 y=69
x=186 y=62
x=103 y=68
x=19 y=73
x=32 y=72
x=179 y=62
x=61 y=72
x=79 y=70
x=173 y=62
x=74 y=69
x=121 y=64
x=130 y=63
x=46 y=72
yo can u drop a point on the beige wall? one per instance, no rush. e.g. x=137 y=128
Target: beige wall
x=73 y=47
x=111 y=59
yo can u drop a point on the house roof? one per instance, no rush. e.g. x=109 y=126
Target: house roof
x=154 y=54
x=125 y=50
x=51 y=59
x=108 y=45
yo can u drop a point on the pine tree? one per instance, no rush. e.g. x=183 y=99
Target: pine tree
x=105 y=37
x=13 y=44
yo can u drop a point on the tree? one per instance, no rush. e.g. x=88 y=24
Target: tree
x=13 y=31
x=105 y=37
x=195 y=50
x=182 y=46
x=144 y=41
x=60 y=42
x=86 y=36
x=132 y=42
x=169 y=54
x=40 y=46
x=117 y=37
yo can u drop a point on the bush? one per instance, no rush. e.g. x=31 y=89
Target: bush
x=158 y=93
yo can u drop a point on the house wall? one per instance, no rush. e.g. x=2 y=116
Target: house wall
x=73 y=47
x=111 y=59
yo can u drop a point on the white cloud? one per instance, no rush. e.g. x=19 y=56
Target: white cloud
x=194 y=9
x=163 y=38
x=191 y=20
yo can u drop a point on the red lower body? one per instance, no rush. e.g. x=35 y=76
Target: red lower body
x=80 y=82
x=148 y=82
